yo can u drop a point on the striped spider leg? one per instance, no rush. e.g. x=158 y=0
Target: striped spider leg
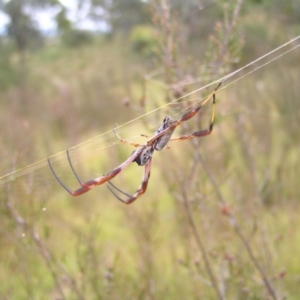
x=140 y=156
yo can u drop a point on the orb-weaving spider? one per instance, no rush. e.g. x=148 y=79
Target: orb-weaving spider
x=143 y=155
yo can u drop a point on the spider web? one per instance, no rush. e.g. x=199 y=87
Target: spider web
x=107 y=141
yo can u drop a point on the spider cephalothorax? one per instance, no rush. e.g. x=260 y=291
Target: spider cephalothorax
x=143 y=154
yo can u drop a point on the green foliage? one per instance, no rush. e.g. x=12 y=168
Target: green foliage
x=9 y=75
x=143 y=42
x=63 y=23
x=77 y=37
x=21 y=28
x=288 y=10
x=54 y=246
x=121 y=16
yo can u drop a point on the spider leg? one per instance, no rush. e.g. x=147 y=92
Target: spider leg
x=119 y=190
x=191 y=113
x=57 y=178
x=200 y=133
x=86 y=186
x=73 y=170
x=184 y=118
x=125 y=141
x=140 y=191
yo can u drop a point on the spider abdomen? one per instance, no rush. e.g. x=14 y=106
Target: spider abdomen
x=164 y=139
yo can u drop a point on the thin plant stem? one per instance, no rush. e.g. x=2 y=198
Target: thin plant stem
x=35 y=237
x=234 y=223
x=200 y=244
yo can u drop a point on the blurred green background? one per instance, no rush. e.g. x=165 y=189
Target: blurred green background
x=220 y=218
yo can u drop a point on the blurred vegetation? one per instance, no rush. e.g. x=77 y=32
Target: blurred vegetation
x=220 y=217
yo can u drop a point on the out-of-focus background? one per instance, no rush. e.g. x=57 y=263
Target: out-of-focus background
x=220 y=218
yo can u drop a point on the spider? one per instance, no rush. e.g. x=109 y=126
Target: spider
x=142 y=155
